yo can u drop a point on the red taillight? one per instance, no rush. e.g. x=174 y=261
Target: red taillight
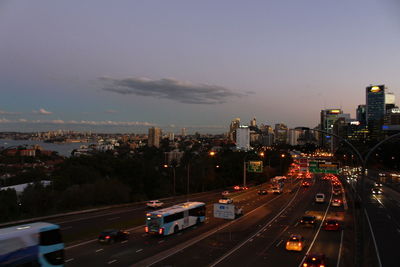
x=107 y=237
x=161 y=231
x=299 y=244
x=146 y=229
x=305 y=265
x=322 y=265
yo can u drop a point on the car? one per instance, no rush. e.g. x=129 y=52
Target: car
x=154 y=204
x=236 y=187
x=262 y=192
x=308 y=220
x=225 y=193
x=315 y=260
x=225 y=200
x=295 y=243
x=320 y=198
x=277 y=190
x=336 y=202
x=305 y=184
x=331 y=225
x=113 y=235
x=377 y=191
x=336 y=191
x=244 y=188
x=378 y=184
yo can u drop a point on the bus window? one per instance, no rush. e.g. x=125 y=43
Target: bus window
x=51 y=237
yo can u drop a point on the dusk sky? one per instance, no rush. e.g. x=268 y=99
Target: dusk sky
x=126 y=65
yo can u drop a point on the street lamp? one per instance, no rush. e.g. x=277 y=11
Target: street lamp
x=173 y=172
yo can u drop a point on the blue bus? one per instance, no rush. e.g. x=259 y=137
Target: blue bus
x=173 y=219
x=35 y=244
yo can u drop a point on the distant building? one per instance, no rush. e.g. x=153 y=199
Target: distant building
x=171 y=136
x=375 y=108
x=154 y=137
x=183 y=132
x=294 y=137
x=281 y=133
x=328 y=119
x=253 y=122
x=235 y=123
x=173 y=157
x=361 y=115
x=243 y=138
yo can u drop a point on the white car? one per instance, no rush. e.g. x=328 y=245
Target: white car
x=225 y=200
x=320 y=198
x=277 y=190
x=376 y=191
x=154 y=204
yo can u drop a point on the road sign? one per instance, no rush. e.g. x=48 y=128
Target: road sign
x=324 y=167
x=224 y=211
x=255 y=166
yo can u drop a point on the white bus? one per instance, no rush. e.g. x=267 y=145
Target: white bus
x=173 y=219
x=35 y=244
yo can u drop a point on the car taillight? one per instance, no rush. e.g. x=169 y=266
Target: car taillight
x=305 y=264
x=161 y=231
x=299 y=244
x=287 y=243
x=146 y=229
x=107 y=237
x=321 y=265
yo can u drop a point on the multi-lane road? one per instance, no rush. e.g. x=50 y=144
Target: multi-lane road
x=256 y=239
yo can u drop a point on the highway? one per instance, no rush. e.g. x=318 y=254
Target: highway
x=384 y=218
x=259 y=240
x=141 y=247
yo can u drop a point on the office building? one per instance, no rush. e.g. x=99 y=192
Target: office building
x=294 y=137
x=154 y=137
x=281 y=133
x=375 y=109
x=183 y=132
x=232 y=129
x=360 y=115
x=253 y=122
x=243 y=138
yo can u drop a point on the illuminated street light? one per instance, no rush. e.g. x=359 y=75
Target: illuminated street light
x=262 y=154
x=165 y=166
x=283 y=155
x=212 y=153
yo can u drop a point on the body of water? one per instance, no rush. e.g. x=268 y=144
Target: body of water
x=62 y=149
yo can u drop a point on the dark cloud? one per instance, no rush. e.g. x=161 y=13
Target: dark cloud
x=183 y=92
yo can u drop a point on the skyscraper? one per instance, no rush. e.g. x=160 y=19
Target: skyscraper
x=154 y=137
x=243 y=138
x=183 y=132
x=375 y=108
x=281 y=133
x=253 y=122
x=232 y=129
x=360 y=114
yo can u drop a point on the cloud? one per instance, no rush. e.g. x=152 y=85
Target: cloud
x=111 y=111
x=3 y=112
x=42 y=111
x=180 y=91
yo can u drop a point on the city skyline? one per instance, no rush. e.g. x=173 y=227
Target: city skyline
x=266 y=60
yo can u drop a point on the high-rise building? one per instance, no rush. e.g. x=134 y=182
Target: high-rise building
x=375 y=108
x=294 y=137
x=253 y=122
x=281 y=133
x=361 y=115
x=183 y=132
x=171 y=136
x=328 y=119
x=243 y=138
x=154 y=137
x=232 y=129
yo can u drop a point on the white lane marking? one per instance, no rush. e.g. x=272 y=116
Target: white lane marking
x=373 y=239
x=161 y=241
x=111 y=219
x=125 y=241
x=137 y=251
x=251 y=237
x=69 y=260
x=99 y=250
x=340 y=249
x=111 y=262
x=280 y=242
x=66 y=228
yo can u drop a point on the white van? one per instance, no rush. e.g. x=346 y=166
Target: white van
x=320 y=198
